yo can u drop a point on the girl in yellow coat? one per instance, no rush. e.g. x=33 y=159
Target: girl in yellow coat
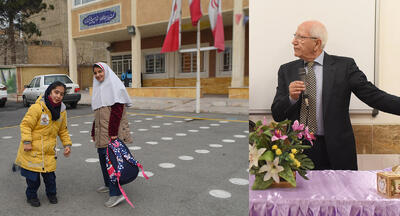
x=44 y=121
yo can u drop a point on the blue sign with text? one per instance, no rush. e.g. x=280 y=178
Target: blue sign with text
x=102 y=17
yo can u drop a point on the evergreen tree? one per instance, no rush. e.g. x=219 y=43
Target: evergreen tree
x=14 y=18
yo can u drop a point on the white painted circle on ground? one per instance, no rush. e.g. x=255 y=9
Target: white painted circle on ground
x=223 y=122
x=193 y=131
x=167 y=138
x=88 y=122
x=7 y=137
x=148 y=173
x=240 y=136
x=178 y=121
x=71 y=135
x=180 y=134
x=188 y=119
x=214 y=125
x=76 y=144
x=152 y=142
x=131 y=132
x=185 y=157
x=204 y=127
x=129 y=123
x=167 y=123
x=228 y=140
x=215 y=145
x=134 y=147
x=138 y=121
x=246 y=131
x=159 y=117
x=202 y=151
x=148 y=119
x=83 y=131
x=220 y=194
x=166 y=165
x=155 y=126
x=239 y=181
x=74 y=125
x=143 y=129
x=92 y=160
x=57 y=149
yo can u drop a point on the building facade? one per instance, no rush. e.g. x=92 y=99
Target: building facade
x=153 y=72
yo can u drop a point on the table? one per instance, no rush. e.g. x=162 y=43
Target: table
x=328 y=192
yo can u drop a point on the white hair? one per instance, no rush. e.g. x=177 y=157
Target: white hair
x=318 y=30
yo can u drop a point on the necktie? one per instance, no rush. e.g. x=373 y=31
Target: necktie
x=308 y=114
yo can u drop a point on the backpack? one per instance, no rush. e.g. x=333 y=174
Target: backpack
x=121 y=166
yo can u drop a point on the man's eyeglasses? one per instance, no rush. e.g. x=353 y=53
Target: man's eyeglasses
x=299 y=37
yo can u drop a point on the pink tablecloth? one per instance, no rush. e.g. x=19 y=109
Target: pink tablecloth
x=344 y=193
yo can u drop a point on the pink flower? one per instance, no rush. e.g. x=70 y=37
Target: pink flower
x=265 y=121
x=297 y=126
x=308 y=136
x=278 y=136
x=260 y=132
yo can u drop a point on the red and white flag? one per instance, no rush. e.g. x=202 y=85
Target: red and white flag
x=195 y=11
x=217 y=26
x=172 y=41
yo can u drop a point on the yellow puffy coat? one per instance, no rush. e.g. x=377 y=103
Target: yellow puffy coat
x=38 y=128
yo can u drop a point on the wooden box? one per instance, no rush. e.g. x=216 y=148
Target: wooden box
x=388 y=184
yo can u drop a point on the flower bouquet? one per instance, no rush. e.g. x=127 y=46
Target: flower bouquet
x=276 y=153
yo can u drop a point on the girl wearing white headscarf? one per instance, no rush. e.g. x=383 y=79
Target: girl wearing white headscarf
x=109 y=102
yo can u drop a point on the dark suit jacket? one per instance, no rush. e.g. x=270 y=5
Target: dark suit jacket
x=341 y=76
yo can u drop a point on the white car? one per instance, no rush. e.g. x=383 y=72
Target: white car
x=3 y=95
x=39 y=84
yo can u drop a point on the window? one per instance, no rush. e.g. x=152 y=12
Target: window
x=155 y=63
x=50 y=79
x=226 y=61
x=82 y=2
x=189 y=62
x=121 y=63
x=37 y=83
x=32 y=83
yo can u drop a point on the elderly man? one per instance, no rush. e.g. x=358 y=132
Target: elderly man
x=322 y=100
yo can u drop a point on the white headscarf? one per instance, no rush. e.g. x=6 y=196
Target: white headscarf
x=110 y=91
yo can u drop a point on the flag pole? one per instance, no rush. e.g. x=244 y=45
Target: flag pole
x=198 y=70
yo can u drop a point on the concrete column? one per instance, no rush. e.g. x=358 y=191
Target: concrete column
x=238 y=45
x=136 y=50
x=108 y=55
x=73 y=67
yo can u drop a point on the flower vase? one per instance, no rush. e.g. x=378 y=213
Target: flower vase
x=283 y=183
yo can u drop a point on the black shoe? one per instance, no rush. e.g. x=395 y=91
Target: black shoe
x=34 y=202
x=53 y=199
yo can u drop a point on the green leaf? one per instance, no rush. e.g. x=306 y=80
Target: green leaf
x=287 y=174
x=260 y=184
x=307 y=164
x=268 y=156
x=303 y=173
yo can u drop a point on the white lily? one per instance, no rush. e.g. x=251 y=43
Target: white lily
x=254 y=155
x=273 y=169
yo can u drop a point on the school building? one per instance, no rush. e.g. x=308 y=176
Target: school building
x=134 y=32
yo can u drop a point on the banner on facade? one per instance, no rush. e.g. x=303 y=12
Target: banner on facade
x=103 y=17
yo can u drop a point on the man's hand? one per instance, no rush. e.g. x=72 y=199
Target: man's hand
x=67 y=150
x=27 y=147
x=295 y=89
x=93 y=139
x=114 y=137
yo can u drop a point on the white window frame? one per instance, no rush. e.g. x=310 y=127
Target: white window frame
x=83 y=4
x=203 y=74
x=157 y=75
x=121 y=54
x=219 y=61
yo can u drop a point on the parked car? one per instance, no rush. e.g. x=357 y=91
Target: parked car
x=3 y=95
x=39 y=84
